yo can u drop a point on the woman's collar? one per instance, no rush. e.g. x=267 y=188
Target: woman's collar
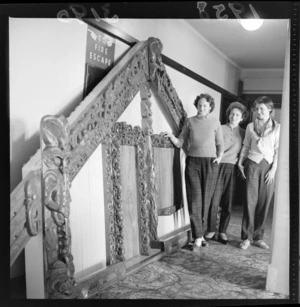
x=202 y=117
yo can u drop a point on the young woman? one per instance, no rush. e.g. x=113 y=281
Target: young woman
x=224 y=193
x=203 y=134
x=258 y=164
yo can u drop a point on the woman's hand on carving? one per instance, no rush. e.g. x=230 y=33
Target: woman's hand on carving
x=167 y=134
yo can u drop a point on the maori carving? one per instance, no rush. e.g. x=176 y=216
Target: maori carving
x=162 y=83
x=117 y=197
x=114 y=203
x=60 y=282
x=155 y=59
x=110 y=206
x=65 y=149
x=33 y=209
x=158 y=140
x=125 y=134
x=151 y=180
x=25 y=214
x=169 y=96
x=144 y=201
x=91 y=127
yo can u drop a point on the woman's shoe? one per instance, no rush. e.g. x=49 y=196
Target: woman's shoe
x=261 y=244
x=223 y=238
x=204 y=243
x=245 y=244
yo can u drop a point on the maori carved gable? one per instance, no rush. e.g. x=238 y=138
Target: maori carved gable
x=66 y=148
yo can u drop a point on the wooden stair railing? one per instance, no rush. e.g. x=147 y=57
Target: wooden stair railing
x=66 y=145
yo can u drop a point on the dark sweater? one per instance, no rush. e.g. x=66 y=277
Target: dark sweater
x=204 y=137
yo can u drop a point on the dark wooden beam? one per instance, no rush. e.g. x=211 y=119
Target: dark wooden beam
x=112 y=31
x=175 y=65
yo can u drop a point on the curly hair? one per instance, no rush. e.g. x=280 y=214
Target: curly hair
x=239 y=106
x=264 y=100
x=209 y=99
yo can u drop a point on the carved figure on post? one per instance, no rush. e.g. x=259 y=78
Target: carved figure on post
x=60 y=282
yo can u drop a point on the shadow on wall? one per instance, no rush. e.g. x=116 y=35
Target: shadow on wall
x=22 y=148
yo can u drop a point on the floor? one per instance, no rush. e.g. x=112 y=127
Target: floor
x=220 y=272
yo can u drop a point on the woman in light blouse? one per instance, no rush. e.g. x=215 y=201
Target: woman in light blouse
x=224 y=194
x=258 y=164
x=203 y=135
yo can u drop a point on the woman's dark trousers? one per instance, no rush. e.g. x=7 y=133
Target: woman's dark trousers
x=258 y=197
x=223 y=198
x=200 y=178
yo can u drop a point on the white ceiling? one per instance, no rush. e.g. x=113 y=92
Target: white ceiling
x=260 y=49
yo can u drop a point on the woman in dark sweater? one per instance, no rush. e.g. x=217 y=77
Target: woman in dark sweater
x=203 y=135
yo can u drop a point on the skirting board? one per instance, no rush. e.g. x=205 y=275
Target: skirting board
x=89 y=287
x=173 y=240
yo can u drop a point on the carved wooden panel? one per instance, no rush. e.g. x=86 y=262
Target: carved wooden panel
x=25 y=213
x=118 y=204
x=143 y=200
x=150 y=167
x=109 y=204
x=123 y=134
x=56 y=199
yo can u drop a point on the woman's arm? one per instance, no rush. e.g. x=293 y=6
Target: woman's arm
x=219 y=144
x=177 y=142
x=270 y=176
x=244 y=151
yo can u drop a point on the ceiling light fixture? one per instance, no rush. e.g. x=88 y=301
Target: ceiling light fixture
x=251 y=24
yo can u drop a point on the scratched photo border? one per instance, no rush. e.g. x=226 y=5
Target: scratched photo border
x=110 y=12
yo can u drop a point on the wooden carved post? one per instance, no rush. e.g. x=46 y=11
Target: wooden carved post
x=151 y=182
x=118 y=206
x=113 y=198
x=143 y=191
x=60 y=282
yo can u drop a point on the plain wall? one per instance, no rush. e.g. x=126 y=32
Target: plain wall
x=262 y=81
